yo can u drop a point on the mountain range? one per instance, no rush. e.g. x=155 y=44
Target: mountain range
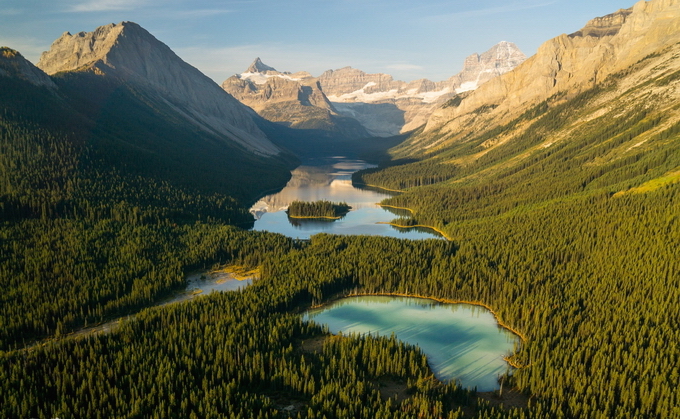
x=381 y=105
x=122 y=168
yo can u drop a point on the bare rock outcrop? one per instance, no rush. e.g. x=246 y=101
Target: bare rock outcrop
x=478 y=69
x=295 y=100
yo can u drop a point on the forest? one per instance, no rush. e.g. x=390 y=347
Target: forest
x=574 y=245
x=318 y=209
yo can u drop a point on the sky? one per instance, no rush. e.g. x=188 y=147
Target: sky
x=408 y=39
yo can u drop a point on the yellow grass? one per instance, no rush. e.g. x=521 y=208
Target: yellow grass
x=239 y=272
x=381 y=187
x=654 y=184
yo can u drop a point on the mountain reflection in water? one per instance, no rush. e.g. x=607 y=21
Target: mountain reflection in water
x=329 y=179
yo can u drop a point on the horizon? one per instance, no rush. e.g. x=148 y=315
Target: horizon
x=430 y=39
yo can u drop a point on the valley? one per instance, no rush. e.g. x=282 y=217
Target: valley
x=553 y=185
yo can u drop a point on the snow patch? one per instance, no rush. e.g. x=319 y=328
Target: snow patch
x=361 y=96
x=429 y=97
x=467 y=86
x=260 y=78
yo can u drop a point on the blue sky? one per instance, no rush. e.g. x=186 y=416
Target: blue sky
x=408 y=39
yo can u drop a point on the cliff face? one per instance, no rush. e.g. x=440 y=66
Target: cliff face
x=565 y=65
x=127 y=52
x=604 y=26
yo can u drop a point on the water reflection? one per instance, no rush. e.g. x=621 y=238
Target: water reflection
x=462 y=342
x=330 y=179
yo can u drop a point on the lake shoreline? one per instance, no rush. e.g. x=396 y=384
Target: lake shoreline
x=446 y=236
x=441 y=336
x=502 y=324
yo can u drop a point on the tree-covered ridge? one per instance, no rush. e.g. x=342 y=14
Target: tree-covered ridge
x=317 y=209
x=575 y=201
x=94 y=221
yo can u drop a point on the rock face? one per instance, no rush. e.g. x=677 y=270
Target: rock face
x=478 y=69
x=566 y=65
x=604 y=26
x=382 y=105
x=13 y=64
x=129 y=53
x=295 y=100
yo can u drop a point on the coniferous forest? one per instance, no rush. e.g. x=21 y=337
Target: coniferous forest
x=575 y=246
x=318 y=209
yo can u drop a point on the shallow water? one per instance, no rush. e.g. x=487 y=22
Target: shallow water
x=205 y=283
x=330 y=179
x=461 y=341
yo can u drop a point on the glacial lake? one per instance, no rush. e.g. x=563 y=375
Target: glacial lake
x=462 y=342
x=330 y=179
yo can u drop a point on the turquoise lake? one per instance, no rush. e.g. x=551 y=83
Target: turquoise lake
x=461 y=341
x=330 y=179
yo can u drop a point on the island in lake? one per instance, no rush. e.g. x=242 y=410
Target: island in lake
x=318 y=209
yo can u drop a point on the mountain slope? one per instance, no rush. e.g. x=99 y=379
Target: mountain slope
x=389 y=107
x=566 y=66
x=106 y=189
x=565 y=175
x=128 y=52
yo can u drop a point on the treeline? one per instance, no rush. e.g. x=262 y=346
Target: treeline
x=321 y=209
x=407 y=176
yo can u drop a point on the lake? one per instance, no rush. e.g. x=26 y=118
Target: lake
x=330 y=179
x=461 y=341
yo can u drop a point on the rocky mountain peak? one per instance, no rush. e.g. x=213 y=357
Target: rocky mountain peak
x=127 y=52
x=478 y=69
x=13 y=64
x=259 y=67
x=86 y=49
x=569 y=65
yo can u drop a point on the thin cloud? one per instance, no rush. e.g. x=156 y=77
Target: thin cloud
x=30 y=48
x=107 y=5
x=219 y=63
x=512 y=7
x=11 y=12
